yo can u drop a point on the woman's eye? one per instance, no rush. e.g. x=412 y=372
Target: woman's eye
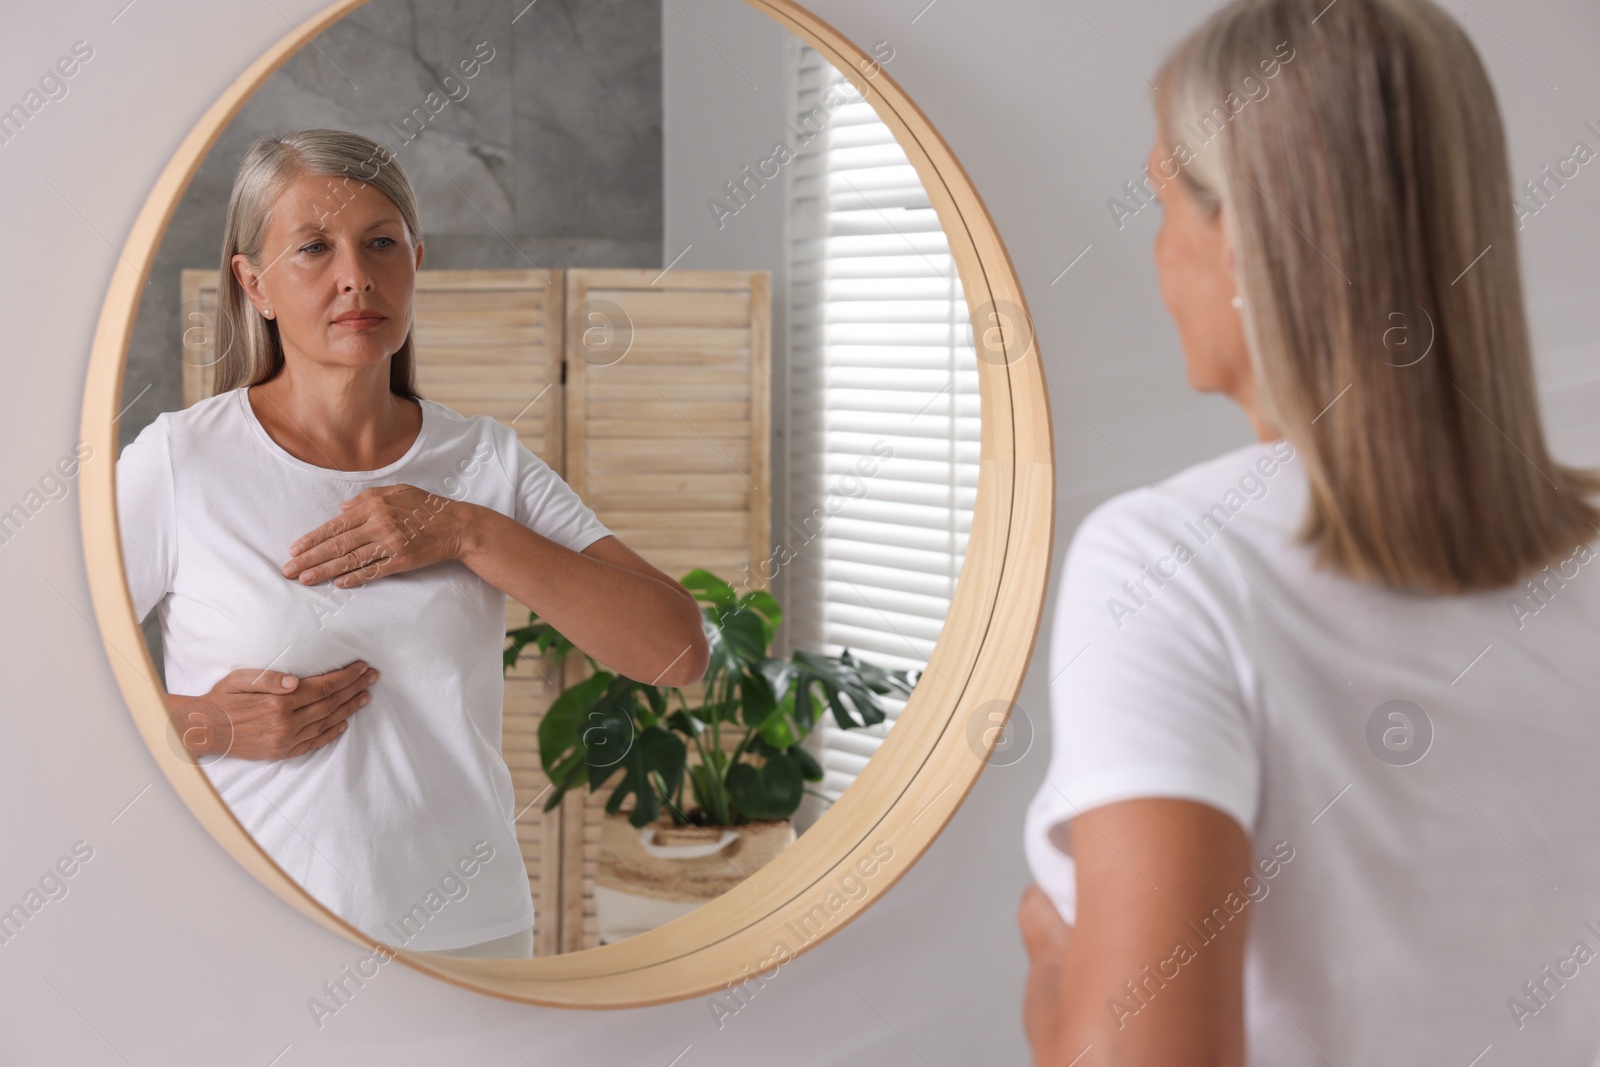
x=319 y=244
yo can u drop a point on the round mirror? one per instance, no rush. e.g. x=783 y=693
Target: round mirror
x=698 y=280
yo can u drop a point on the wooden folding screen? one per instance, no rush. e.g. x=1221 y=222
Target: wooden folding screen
x=668 y=439
x=665 y=435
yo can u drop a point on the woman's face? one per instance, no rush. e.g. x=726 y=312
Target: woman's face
x=1194 y=260
x=332 y=246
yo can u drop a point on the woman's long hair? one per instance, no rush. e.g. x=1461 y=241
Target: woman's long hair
x=251 y=351
x=1368 y=194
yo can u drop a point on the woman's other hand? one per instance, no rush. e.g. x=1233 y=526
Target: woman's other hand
x=269 y=715
x=1046 y=937
x=388 y=529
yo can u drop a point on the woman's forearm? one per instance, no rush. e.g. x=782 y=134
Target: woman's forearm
x=632 y=623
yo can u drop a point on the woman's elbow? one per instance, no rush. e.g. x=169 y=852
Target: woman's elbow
x=690 y=665
x=690 y=652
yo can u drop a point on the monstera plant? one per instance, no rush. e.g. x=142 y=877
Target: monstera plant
x=608 y=724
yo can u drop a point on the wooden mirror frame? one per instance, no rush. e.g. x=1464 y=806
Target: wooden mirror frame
x=926 y=765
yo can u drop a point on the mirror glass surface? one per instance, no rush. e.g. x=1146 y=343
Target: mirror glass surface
x=770 y=376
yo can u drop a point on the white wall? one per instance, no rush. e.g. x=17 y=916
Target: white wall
x=164 y=951
x=720 y=115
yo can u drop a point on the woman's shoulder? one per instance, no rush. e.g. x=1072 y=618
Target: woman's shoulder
x=461 y=440
x=449 y=415
x=1161 y=535
x=1198 y=498
x=1257 y=492
x=201 y=419
x=1250 y=473
x=454 y=429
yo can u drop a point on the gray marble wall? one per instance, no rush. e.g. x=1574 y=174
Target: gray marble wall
x=549 y=157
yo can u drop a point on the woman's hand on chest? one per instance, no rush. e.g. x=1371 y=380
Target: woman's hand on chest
x=384 y=530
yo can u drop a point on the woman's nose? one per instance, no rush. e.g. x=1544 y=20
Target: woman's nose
x=352 y=272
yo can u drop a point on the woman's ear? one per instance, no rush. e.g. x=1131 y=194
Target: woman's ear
x=248 y=280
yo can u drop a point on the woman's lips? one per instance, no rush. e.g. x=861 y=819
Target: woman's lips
x=360 y=324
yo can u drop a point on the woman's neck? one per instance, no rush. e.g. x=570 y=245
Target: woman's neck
x=350 y=422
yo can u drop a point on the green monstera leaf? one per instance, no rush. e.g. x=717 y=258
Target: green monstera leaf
x=771 y=791
x=737 y=639
x=738 y=628
x=709 y=588
x=651 y=768
x=810 y=769
x=847 y=687
x=561 y=748
x=723 y=599
x=591 y=728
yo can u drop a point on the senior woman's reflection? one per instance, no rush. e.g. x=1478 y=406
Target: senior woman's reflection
x=1324 y=791
x=318 y=541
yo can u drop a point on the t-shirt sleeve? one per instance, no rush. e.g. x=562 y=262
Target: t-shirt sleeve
x=1145 y=697
x=549 y=506
x=147 y=516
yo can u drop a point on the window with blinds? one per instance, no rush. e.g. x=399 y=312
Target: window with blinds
x=883 y=403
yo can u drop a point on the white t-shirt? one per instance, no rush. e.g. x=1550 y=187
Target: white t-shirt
x=1416 y=863
x=404 y=825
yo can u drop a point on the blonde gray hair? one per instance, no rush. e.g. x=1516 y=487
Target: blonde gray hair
x=1368 y=192
x=251 y=351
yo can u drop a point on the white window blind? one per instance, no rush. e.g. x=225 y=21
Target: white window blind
x=884 y=404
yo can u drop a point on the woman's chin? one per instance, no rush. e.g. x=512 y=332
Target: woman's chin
x=360 y=352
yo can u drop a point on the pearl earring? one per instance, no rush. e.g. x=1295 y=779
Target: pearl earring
x=1238 y=301
x=267 y=312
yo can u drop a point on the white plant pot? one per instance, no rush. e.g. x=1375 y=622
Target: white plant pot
x=652 y=875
